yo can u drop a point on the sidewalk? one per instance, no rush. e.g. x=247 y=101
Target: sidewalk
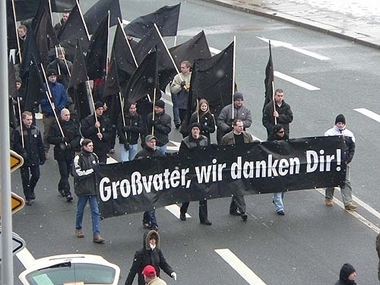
x=358 y=27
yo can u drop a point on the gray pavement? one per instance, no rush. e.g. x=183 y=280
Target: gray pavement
x=351 y=21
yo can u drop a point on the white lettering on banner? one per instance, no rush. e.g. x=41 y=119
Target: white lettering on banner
x=316 y=161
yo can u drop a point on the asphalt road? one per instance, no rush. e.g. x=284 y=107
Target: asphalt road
x=311 y=242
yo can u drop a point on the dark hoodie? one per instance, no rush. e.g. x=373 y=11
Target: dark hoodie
x=147 y=256
x=346 y=270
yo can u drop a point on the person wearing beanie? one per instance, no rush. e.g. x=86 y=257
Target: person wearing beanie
x=347 y=275
x=204 y=117
x=277 y=112
x=159 y=124
x=192 y=141
x=225 y=118
x=98 y=128
x=340 y=129
x=51 y=112
x=180 y=93
x=150 y=255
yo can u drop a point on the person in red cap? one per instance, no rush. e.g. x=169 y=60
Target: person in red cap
x=150 y=276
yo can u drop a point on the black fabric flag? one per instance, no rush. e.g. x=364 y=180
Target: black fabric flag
x=25 y=9
x=12 y=79
x=30 y=54
x=122 y=53
x=61 y=6
x=35 y=90
x=74 y=29
x=79 y=72
x=99 y=10
x=193 y=175
x=96 y=58
x=166 y=19
x=195 y=48
x=143 y=80
x=269 y=79
x=111 y=86
x=211 y=79
x=44 y=34
x=11 y=27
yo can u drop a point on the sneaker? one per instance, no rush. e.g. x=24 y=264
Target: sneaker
x=350 y=207
x=244 y=216
x=62 y=193
x=98 y=239
x=33 y=196
x=235 y=213
x=28 y=202
x=69 y=198
x=281 y=213
x=329 y=202
x=182 y=216
x=177 y=126
x=146 y=225
x=206 y=222
x=79 y=233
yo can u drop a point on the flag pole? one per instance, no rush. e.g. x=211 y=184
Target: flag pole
x=233 y=78
x=84 y=23
x=108 y=42
x=17 y=37
x=88 y=87
x=129 y=45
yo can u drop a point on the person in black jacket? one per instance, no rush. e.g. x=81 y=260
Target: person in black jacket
x=160 y=125
x=64 y=150
x=86 y=189
x=347 y=275
x=277 y=112
x=150 y=254
x=194 y=140
x=129 y=131
x=99 y=130
x=28 y=143
x=149 y=151
x=204 y=117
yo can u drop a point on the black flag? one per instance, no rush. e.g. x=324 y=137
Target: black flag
x=79 y=72
x=195 y=48
x=25 y=9
x=166 y=19
x=74 y=29
x=143 y=80
x=35 y=90
x=99 y=10
x=12 y=79
x=211 y=79
x=62 y=5
x=269 y=79
x=96 y=58
x=111 y=86
x=11 y=27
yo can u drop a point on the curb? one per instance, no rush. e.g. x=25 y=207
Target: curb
x=305 y=23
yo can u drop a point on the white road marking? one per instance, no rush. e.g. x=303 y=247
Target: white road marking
x=354 y=213
x=175 y=210
x=239 y=266
x=369 y=114
x=295 y=81
x=26 y=258
x=291 y=47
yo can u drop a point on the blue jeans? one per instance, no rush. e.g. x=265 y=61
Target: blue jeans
x=95 y=216
x=128 y=155
x=277 y=200
x=162 y=149
x=175 y=110
x=149 y=217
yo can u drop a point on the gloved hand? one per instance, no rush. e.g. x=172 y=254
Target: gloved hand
x=65 y=139
x=126 y=128
x=174 y=275
x=68 y=146
x=183 y=83
x=126 y=146
x=153 y=122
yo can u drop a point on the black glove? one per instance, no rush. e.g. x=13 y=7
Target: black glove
x=68 y=146
x=153 y=122
x=65 y=139
x=126 y=146
x=126 y=128
x=183 y=83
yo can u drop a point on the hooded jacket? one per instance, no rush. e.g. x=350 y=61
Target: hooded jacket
x=148 y=256
x=346 y=270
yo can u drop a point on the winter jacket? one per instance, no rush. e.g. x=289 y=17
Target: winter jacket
x=147 y=256
x=190 y=142
x=285 y=117
x=84 y=175
x=130 y=132
x=33 y=150
x=59 y=99
x=64 y=146
x=229 y=139
x=207 y=122
x=349 y=141
x=162 y=127
x=346 y=270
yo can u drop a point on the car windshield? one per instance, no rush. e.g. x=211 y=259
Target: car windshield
x=75 y=273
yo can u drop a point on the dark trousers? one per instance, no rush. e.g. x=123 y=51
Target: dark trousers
x=203 y=214
x=29 y=177
x=182 y=115
x=64 y=167
x=237 y=203
x=149 y=217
